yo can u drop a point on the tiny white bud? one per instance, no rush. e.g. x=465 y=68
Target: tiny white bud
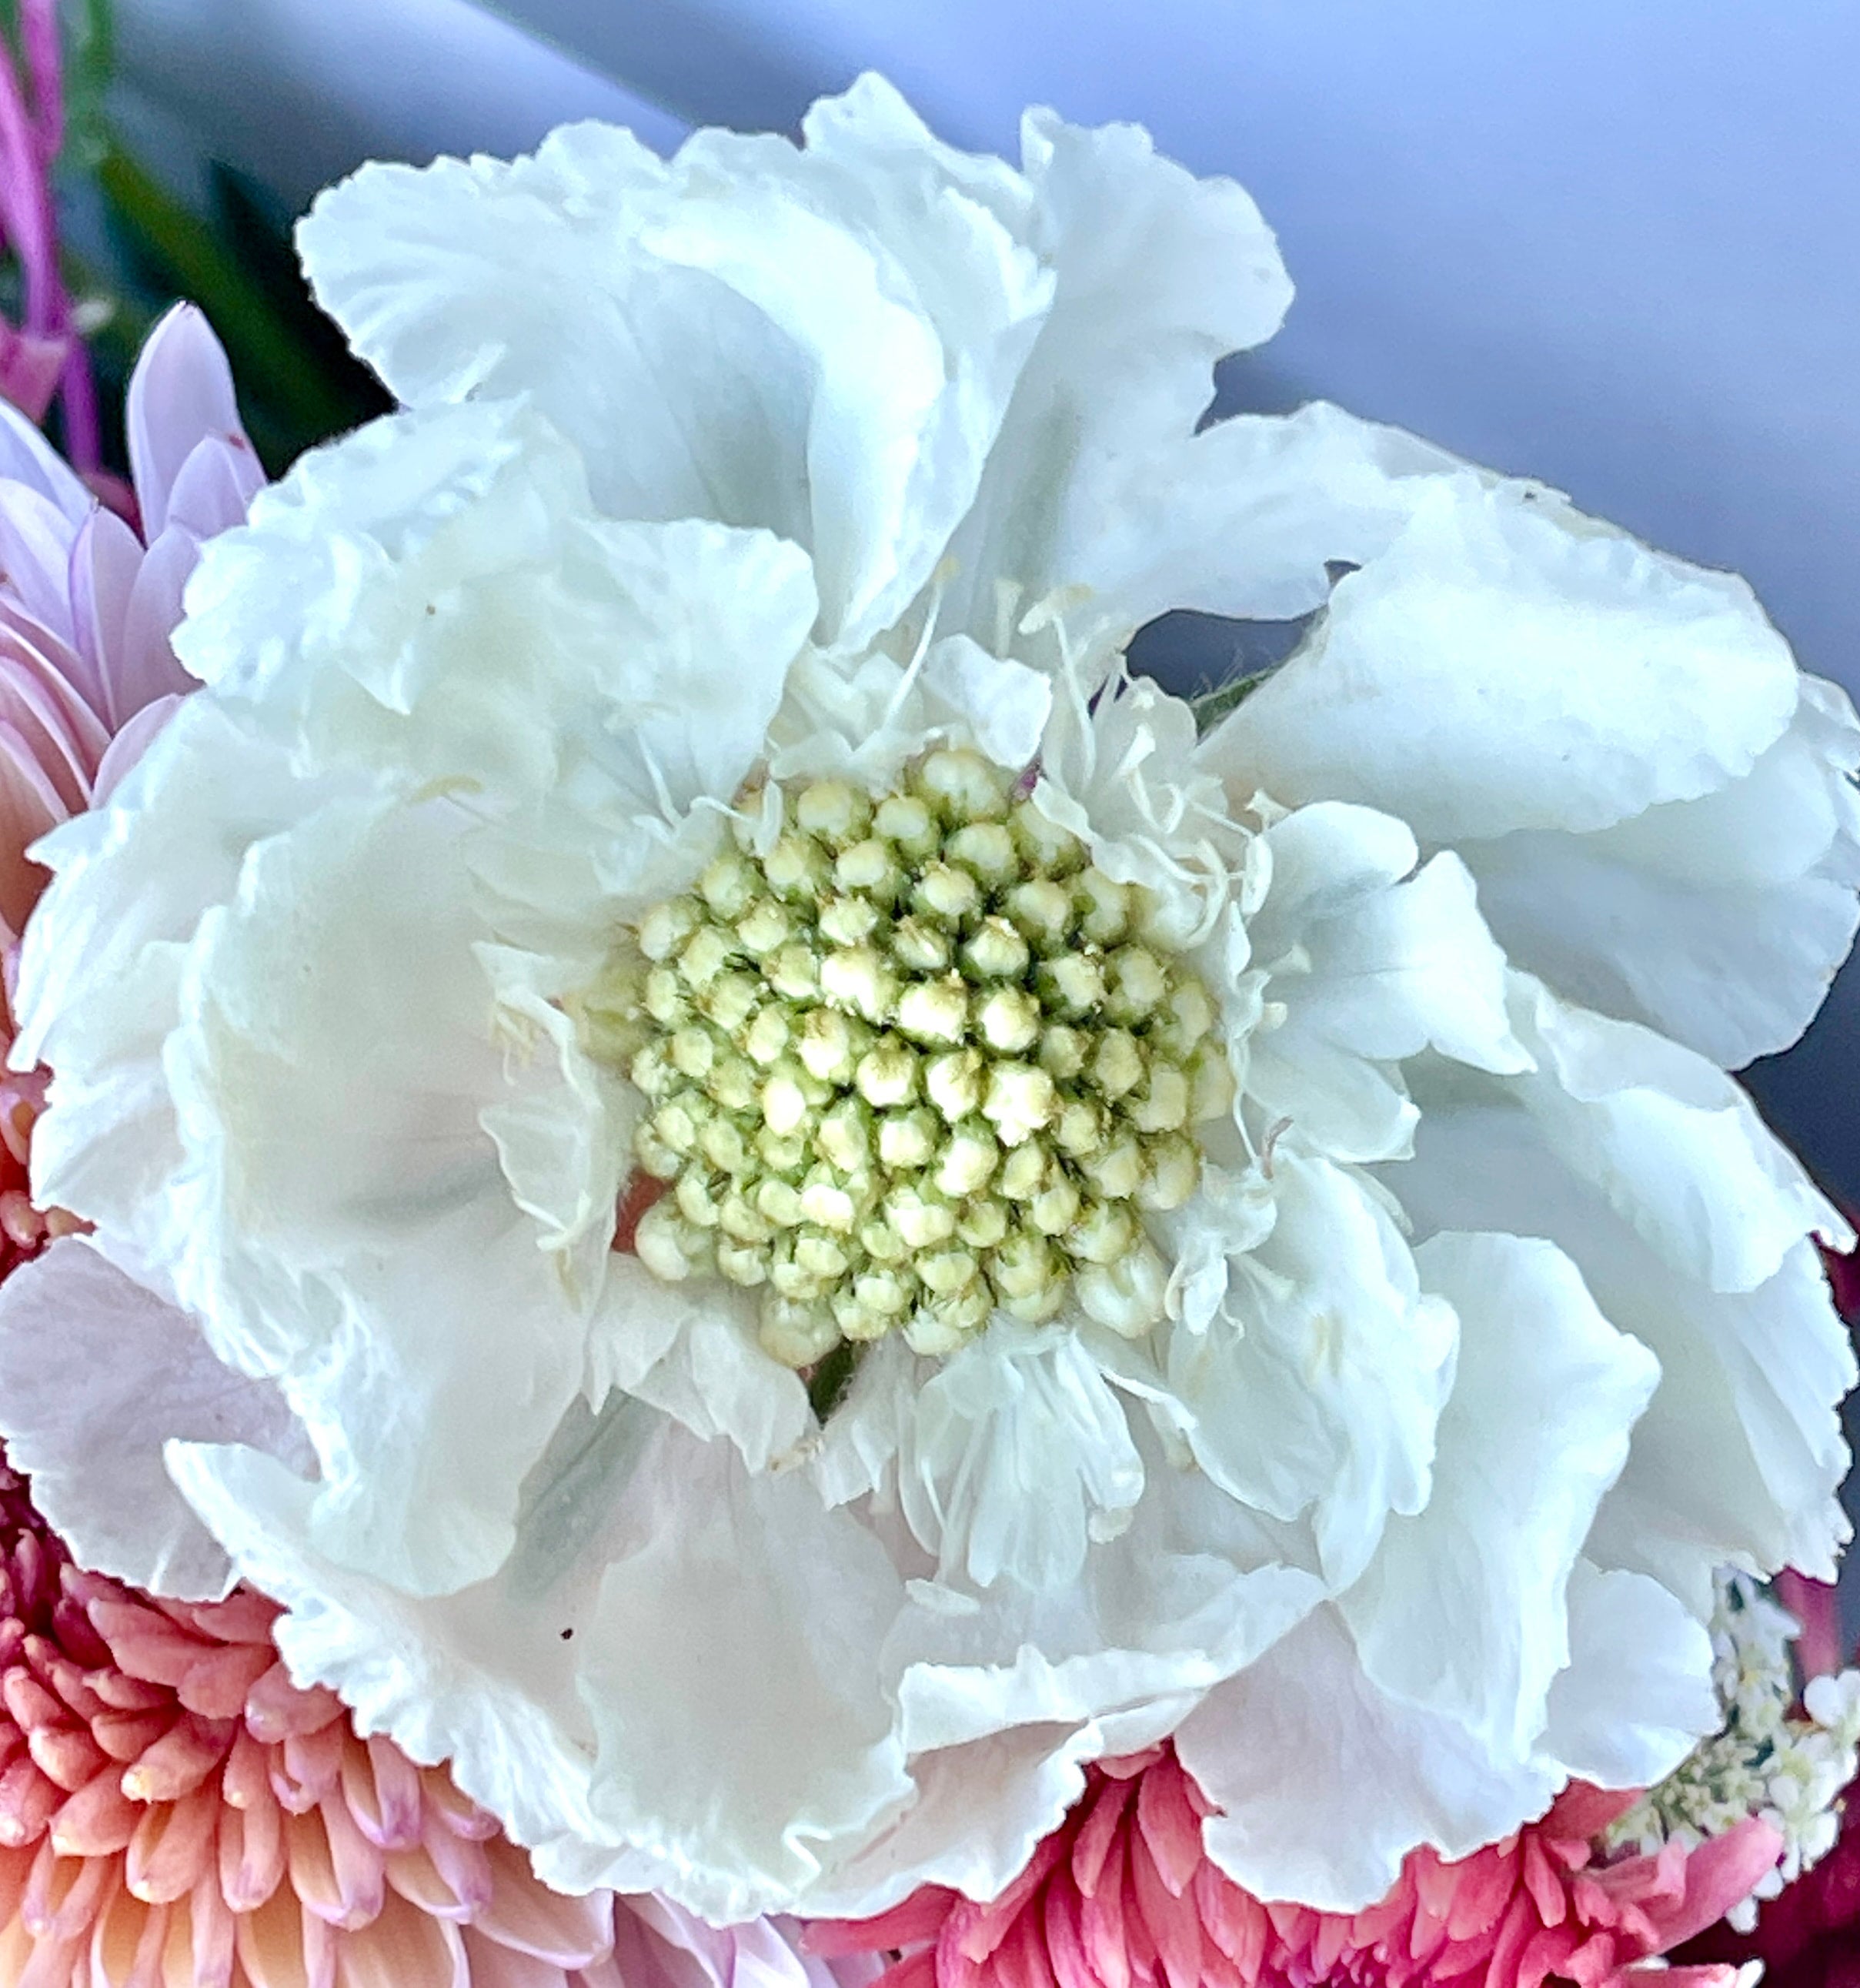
x=1022 y=1172
x=934 y=1011
x=837 y=812
x=1053 y=1210
x=1008 y=1020
x=731 y=999
x=830 y=1044
x=704 y=956
x=845 y=1136
x=796 y=1335
x=722 y=1144
x=729 y=885
x=919 y=1222
x=847 y=921
x=666 y=927
x=905 y=821
x=1041 y=910
x=739 y=1218
x=887 y=1076
x=781 y=1152
x=1020 y=1100
x=1104 y=908
x=1126 y=1295
x=886 y=1292
x=662 y=996
x=766 y=1036
x=693 y=1053
x=856 y=977
x=1162 y=1104
x=1043 y=842
x=943 y=1324
x=793 y=971
x=675 y=1124
x=742 y=1263
x=784 y=1104
x=969 y=787
x=1072 y=982
x=870 y=868
x=1116 y=1170
x=695 y=1201
x=779 y=1202
x=828 y=1206
x=986 y=850
x=996 y=952
x=1117 y=1064
x=857 y=1320
x=945 y=892
x=797 y=868
x=954 y=1083
x=966 y=1163
x=1104 y=1233
x=1081 y=1126
x=907 y=1139
x=763 y=927
x=982 y=1224
x=1137 y=984
x=945 y=1272
x=732 y=1082
x=650 y=1071
x=920 y=947
x=664 y=1243
x=818 y=1255
x=1174 y=1173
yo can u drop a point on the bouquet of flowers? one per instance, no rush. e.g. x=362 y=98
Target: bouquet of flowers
x=724 y=1261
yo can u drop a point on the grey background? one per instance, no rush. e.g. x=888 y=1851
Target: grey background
x=1614 y=246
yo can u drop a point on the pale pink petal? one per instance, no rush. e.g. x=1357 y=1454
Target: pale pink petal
x=180 y=393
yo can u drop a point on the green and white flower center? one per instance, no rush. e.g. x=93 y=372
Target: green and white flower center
x=917 y=1060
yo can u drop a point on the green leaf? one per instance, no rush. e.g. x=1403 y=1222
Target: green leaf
x=1211 y=706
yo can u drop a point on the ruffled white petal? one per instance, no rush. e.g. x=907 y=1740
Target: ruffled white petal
x=1598 y=730
x=1738 y=1455
x=1464 y=1609
x=1317 y=1385
x=1325 y=1783
x=1637 y=1695
x=96 y=1372
x=1015 y=1455
x=1371 y=964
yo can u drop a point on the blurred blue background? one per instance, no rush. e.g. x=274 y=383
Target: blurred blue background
x=1618 y=248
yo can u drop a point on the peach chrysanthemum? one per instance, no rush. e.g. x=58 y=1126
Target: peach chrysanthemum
x=1123 y=1895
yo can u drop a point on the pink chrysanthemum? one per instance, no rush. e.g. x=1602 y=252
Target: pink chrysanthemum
x=173 y=1811
x=1122 y=1895
x=87 y=605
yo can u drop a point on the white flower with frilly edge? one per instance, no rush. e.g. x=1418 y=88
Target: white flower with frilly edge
x=1246 y=1237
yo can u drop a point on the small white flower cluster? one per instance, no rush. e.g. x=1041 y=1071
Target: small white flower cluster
x=913 y=1061
x=1790 y=1768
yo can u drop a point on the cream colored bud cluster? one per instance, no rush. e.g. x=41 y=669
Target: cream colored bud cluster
x=1767 y=1760
x=918 y=1061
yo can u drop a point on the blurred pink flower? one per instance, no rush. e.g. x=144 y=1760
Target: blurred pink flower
x=87 y=605
x=1122 y=1895
x=44 y=356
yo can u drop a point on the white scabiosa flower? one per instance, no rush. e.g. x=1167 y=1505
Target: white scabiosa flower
x=854 y=1216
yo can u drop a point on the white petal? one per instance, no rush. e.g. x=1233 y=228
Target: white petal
x=1015 y=1455
x=742 y=1727
x=800 y=340
x=1507 y=665
x=1676 y=1147
x=1316 y=1386
x=1738 y=1457
x=1325 y=1784
x=1372 y=965
x=1740 y=903
x=1637 y=1696
x=1463 y=1610
x=96 y=1374
x=1246 y=519
x=1157 y=275
x=712 y=1722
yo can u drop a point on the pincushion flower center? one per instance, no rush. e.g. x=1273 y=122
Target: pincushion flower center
x=917 y=1060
